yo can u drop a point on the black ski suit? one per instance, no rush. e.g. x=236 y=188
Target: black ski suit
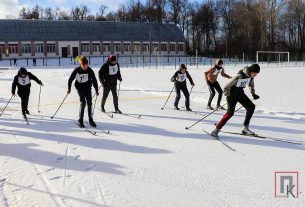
x=108 y=75
x=24 y=88
x=180 y=85
x=83 y=85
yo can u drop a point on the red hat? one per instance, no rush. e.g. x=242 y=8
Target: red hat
x=112 y=58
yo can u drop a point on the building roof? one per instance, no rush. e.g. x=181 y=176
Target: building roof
x=39 y=30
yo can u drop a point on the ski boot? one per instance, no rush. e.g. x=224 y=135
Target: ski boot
x=103 y=109
x=247 y=131
x=92 y=123
x=188 y=109
x=220 y=107
x=176 y=107
x=215 y=132
x=81 y=123
x=210 y=107
x=24 y=115
x=27 y=111
x=118 y=111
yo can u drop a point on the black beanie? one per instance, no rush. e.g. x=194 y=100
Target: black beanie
x=254 y=68
x=23 y=71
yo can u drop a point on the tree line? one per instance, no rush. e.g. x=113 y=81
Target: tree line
x=226 y=28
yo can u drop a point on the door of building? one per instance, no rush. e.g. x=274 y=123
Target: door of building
x=64 y=52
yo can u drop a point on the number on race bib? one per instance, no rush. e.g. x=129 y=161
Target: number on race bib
x=243 y=83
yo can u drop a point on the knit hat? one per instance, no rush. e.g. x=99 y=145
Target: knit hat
x=219 y=62
x=22 y=71
x=112 y=58
x=254 y=68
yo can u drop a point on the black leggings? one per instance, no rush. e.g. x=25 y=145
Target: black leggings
x=212 y=87
x=232 y=101
x=106 y=91
x=85 y=96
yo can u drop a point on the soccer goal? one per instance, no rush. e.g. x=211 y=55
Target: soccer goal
x=272 y=57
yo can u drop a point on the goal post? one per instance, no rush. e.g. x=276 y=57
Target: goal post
x=272 y=56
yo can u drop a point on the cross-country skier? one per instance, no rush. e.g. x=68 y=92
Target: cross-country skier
x=180 y=85
x=211 y=79
x=85 y=77
x=23 y=82
x=234 y=90
x=109 y=73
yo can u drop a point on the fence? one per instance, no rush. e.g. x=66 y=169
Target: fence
x=139 y=61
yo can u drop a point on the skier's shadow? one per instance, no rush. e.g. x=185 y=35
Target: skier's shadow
x=28 y=153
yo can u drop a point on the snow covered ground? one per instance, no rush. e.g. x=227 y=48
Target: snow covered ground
x=152 y=161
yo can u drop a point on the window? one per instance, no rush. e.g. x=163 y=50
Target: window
x=2 y=49
x=107 y=48
x=146 y=48
x=12 y=48
x=137 y=48
x=96 y=48
x=127 y=47
x=26 y=48
x=172 y=47
x=117 y=48
x=164 y=48
x=155 y=48
x=85 y=48
x=50 y=48
x=39 y=48
x=181 y=48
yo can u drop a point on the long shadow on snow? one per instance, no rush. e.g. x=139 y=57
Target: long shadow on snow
x=94 y=143
x=28 y=153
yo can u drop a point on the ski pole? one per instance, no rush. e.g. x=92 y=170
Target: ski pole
x=97 y=90
x=39 y=99
x=59 y=106
x=94 y=105
x=119 y=90
x=168 y=97
x=6 y=105
x=204 y=117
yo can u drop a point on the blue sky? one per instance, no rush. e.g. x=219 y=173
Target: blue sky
x=12 y=7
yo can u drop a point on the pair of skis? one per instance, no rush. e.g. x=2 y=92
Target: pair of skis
x=93 y=132
x=110 y=115
x=250 y=135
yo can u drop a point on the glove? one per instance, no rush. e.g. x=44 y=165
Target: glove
x=13 y=94
x=255 y=96
x=97 y=93
x=120 y=79
x=41 y=84
x=68 y=91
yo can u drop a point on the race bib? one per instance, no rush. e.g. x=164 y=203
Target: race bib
x=181 y=77
x=241 y=83
x=24 y=81
x=216 y=72
x=113 y=70
x=82 y=78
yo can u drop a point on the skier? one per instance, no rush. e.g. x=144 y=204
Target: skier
x=235 y=93
x=109 y=73
x=85 y=77
x=23 y=81
x=211 y=79
x=180 y=85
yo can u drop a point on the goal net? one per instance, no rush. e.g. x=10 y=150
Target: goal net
x=272 y=57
